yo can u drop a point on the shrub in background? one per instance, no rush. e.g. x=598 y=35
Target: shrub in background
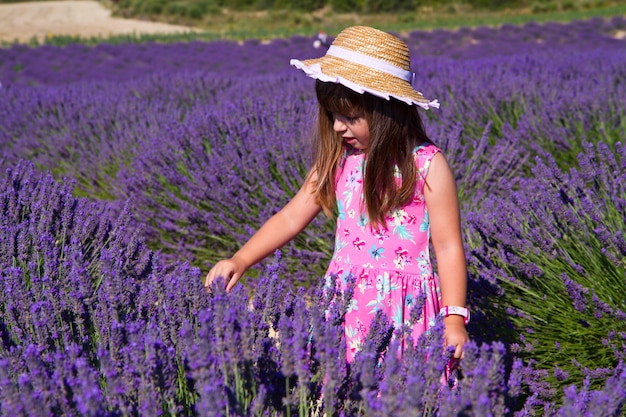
x=387 y=6
x=191 y=9
x=185 y=7
x=300 y=5
x=346 y=6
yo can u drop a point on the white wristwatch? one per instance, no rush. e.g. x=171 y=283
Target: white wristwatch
x=457 y=311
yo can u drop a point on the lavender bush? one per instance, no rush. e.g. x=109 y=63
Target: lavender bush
x=130 y=169
x=86 y=342
x=89 y=314
x=94 y=324
x=555 y=245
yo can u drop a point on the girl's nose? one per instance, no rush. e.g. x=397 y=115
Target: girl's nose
x=338 y=125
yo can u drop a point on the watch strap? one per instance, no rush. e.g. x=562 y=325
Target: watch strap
x=457 y=311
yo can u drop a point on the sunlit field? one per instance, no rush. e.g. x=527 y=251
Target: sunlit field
x=129 y=169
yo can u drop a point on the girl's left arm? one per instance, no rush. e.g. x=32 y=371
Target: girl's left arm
x=442 y=203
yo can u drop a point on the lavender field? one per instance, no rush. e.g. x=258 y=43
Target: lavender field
x=128 y=170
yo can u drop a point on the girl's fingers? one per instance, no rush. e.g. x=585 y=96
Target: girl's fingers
x=232 y=281
x=215 y=272
x=210 y=277
x=458 y=352
x=219 y=271
x=458 y=349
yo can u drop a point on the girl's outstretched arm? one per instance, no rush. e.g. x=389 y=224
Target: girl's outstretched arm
x=276 y=232
x=443 y=209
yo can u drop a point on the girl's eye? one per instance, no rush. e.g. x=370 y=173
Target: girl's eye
x=347 y=119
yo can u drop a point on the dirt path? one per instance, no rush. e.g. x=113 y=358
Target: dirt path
x=23 y=21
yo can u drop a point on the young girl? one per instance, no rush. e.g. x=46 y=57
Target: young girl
x=391 y=187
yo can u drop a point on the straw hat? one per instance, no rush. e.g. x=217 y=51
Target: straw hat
x=365 y=59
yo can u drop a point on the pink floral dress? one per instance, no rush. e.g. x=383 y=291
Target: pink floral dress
x=391 y=266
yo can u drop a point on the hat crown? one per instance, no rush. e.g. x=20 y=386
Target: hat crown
x=367 y=60
x=376 y=44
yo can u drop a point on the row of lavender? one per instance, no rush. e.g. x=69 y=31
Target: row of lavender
x=96 y=324
x=59 y=65
x=192 y=161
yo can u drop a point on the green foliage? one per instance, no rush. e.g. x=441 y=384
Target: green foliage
x=149 y=6
x=388 y=6
x=192 y=9
x=197 y=9
x=233 y=4
x=346 y=6
x=495 y=4
x=544 y=7
x=216 y=26
x=307 y=5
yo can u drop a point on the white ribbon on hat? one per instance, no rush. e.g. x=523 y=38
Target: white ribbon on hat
x=368 y=61
x=315 y=71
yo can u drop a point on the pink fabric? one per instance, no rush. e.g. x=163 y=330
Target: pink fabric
x=391 y=266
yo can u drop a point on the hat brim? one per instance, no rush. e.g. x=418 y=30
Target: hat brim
x=362 y=79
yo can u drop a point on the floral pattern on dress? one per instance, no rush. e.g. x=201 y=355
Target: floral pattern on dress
x=391 y=265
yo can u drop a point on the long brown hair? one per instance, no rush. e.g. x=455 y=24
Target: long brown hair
x=395 y=128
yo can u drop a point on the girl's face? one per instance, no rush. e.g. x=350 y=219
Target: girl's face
x=353 y=129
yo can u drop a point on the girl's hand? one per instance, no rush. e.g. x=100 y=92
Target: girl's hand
x=455 y=334
x=230 y=269
x=275 y=233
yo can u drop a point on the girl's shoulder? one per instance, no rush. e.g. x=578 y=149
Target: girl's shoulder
x=423 y=155
x=425 y=151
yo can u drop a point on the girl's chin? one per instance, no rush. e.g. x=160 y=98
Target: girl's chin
x=354 y=143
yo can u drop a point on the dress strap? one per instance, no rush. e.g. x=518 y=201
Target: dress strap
x=423 y=155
